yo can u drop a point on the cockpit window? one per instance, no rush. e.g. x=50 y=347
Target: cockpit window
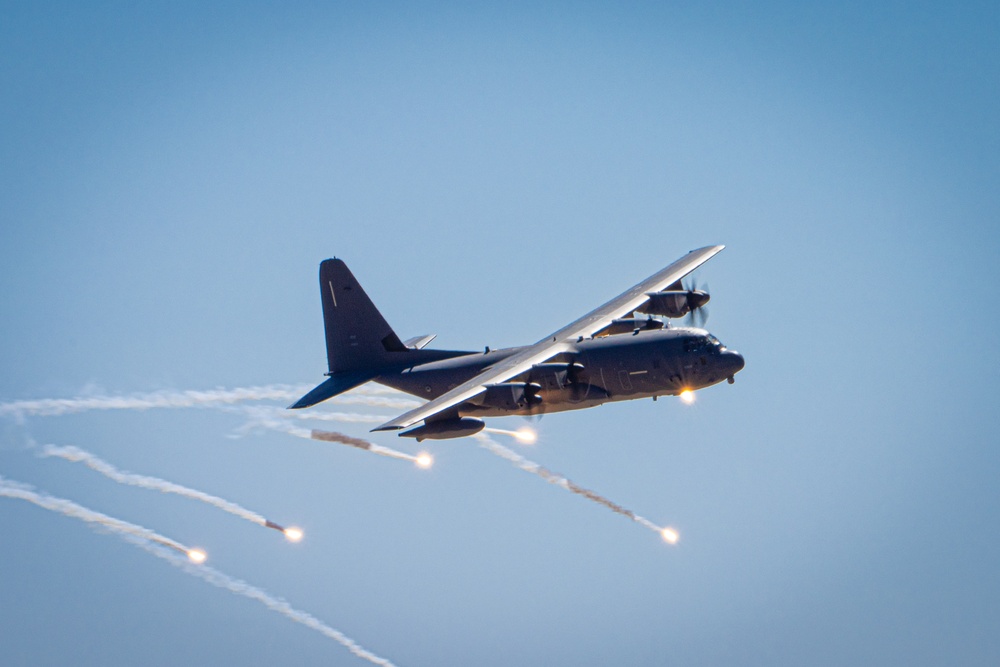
x=697 y=344
x=708 y=343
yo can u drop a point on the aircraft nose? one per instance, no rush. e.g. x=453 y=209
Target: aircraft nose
x=736 y=361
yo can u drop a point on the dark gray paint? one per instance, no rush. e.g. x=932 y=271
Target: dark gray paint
x=648 y=362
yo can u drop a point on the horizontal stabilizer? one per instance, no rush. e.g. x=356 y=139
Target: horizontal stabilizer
x=335 y=384
x=419 y=342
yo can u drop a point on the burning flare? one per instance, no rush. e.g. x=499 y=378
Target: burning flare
x=687 y=396
x=525 y=435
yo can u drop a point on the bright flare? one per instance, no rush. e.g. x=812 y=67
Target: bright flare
x=197 y=555
x=526 y=435
x=424 y=460
x=670 y=536
x=293 y=534
x=687 y=396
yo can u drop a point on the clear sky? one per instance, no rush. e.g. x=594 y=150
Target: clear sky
x=171 y=175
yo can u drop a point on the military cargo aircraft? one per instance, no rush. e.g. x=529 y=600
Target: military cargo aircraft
x=609 y=354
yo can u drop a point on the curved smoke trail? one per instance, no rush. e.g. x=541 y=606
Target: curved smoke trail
x=11 y=489
x=224 y=581
x=374 y=396
x=422 y=460
x=77 y=455
x=147 y=401
x=278 y=420
x=490 y=445
x=154 y=542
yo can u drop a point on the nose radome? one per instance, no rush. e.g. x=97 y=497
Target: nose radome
x=737 y=361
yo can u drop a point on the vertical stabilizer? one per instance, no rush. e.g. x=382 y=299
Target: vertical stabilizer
x=357 y=336
x=360 y=344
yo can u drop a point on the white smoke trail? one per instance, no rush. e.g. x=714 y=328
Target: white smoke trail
x=277 y=420
x=269 y=412
x=11 y=489
x=353 y=398
x=77 y=455
x=422 y=460
x=240 y=587
x=149 y=540
x=373 y=389
x=147 y=401
x=490 y=445
x=371 y=396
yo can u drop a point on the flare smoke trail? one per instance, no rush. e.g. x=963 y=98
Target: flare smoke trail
x=372 y=396
x=497 y=449
x=375 y=401
x=77 y=455
x=332 y=436
x=262 y=416
x=240 y=587
x=160 y=399
x=269 y=412
x=154 y=543
x=11 y=489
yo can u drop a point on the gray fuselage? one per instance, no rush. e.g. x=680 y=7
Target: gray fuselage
x=647 y=363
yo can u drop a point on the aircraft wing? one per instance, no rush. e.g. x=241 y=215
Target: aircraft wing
x=560 y=341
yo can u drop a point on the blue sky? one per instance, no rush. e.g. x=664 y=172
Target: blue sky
x=172 y=175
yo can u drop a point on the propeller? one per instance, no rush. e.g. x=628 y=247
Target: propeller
x=698 y=296
x=572 y=380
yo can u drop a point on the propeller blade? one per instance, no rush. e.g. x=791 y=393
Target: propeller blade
x=702 y=315
x=698 y=314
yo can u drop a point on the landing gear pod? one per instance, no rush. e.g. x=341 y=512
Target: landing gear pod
x=443 y=429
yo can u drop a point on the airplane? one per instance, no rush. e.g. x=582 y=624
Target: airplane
x=607 y=355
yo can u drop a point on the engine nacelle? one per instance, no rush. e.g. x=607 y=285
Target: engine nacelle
x=511 y=395
x=554 y=376
x=673 y=303
x=443 y=429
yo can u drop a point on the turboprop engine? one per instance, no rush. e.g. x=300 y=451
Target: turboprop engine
x=511 y=395
x=554 y=376
x=673 y=303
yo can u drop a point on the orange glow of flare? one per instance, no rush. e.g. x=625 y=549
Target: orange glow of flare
x=293 y=534
x=687 y=396
x=197 y=555
x=424 y=460
x=670 y=536
x=526 y=436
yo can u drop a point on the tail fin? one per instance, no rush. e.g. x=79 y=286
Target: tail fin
x=357 y=336
x=360 y=344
